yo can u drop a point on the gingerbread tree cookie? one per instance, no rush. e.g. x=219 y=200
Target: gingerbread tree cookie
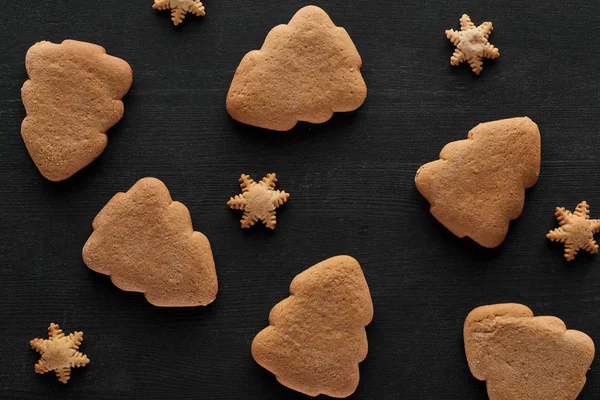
x=146 y=243
x=258 y=200
x=305 y=71
x=59 y=353
x=576 y=230
x=472 y=44
x=316 y=337
x=478 y=185
x=526 y=357
x=73 y=96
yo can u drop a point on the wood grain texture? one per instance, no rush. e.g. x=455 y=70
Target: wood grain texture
x=352 y=192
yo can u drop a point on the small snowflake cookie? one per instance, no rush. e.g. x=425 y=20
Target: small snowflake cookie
x=59 y=353
x=472 y=44
x=576 y=230
x=179 y=8
x=258 y=200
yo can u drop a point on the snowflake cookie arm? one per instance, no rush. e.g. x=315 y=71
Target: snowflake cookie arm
x=280 y=197
x=570 y=252
x=160 y=4
x=557 y=235
x=41 y=367
x=38 y=345
x=63 y=374
x=595 y=225
x=582 y=210
x=476 y=65
x=270 y=220
x=177 y=15
x=487 y=29
x=197 y=8
x=458 y=57
x=490 y=51
x=238 y=202
x=79 y=360
x=466 y=23
x=75 y=339
x=54 y=331
x=453 y=36
x=270 y=180
x=562 y=215
x=246 y=182
x=248 y=220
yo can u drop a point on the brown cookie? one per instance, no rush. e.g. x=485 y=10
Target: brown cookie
x=478 y=185
x=305 y=71
x=576 y=230
x=73 y=96
x=316 y=337
x=146 y=243
x=59 y=353
x=259 y=201
x=526 y=357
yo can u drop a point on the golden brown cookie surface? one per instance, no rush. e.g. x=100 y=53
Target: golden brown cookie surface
x=316 y=337
x=305 y=71
x=576 y=230
x=478 y=185
x=73 y=96
x=179 y=8
x=472 y=44
x=258 y=200
x=526 y=357
x=146 y=243
x=59 y=353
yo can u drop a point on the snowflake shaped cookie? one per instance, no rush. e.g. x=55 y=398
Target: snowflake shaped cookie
x=472 y=43
x=179 y=8
x=576 y=230
x=258 y=200
x=59 y=353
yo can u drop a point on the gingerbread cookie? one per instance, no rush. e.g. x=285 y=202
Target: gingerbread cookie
x=179 y=8
x=59 y=353
x=73 y=96
x=576 y=230
x=146 y=243
x=316 y=337
x=258 y=200
x=526 y=357
x=305 y=71
x=478 y=185
x=472 y=44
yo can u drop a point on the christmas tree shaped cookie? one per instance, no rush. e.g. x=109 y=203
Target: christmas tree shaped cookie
x=316 y=337
x=305 y=71
x=525 y=357
x=478 y=185
x=73 y=96
x=146 y=243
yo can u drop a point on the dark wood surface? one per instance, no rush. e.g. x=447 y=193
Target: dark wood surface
x=352 y=187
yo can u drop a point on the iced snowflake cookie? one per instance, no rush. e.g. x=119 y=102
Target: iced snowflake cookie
x=526 y=357
x=472 y=44
x=179 y=8
x=316 y=337
x=478 y=185
x=146 y=243
x=305 y=71
x=576 y=230
x=258 y=200
x=73 y=96
x=59 y=353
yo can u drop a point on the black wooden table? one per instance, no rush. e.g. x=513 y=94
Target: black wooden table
x=352 y=187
